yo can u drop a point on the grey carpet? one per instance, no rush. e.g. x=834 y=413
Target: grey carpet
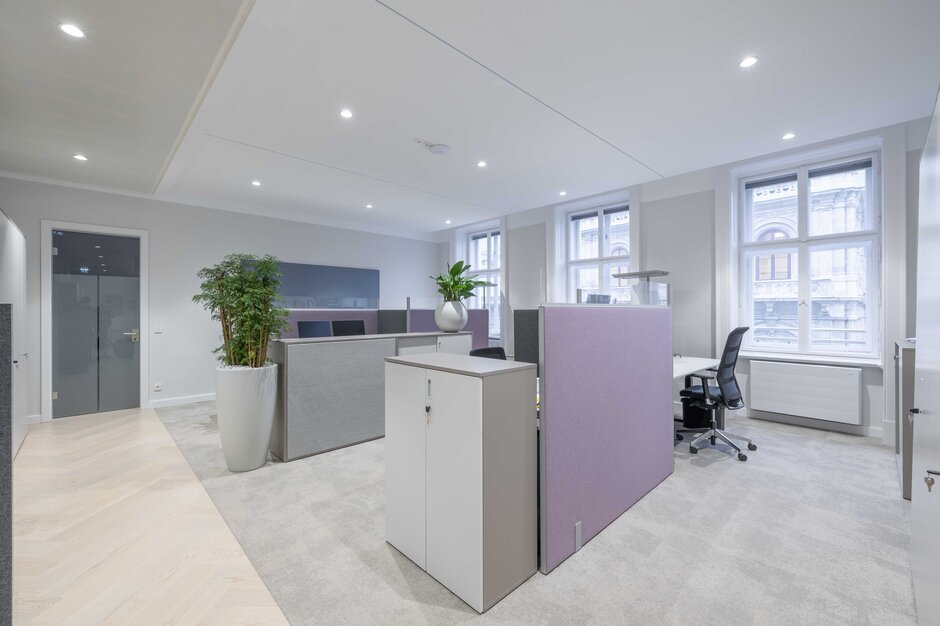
x=811 y=530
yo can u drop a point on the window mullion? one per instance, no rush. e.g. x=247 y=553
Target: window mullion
x=805 y=307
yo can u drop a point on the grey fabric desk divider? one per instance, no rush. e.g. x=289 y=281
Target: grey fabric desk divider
x=331 y=390
x=6 y=464
x=526 y=335
x=393 y=321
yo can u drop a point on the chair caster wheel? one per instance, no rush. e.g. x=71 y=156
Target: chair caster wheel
x=678 y=437
x=751 y=446
x=693 y=450
x=742 y=456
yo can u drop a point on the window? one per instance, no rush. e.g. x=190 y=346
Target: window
x=809 y=254
x=485 y=263
x=598 y=247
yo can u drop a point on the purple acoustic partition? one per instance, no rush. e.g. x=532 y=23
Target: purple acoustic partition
x=606 y=418
x=370 y=317
x=478 y=323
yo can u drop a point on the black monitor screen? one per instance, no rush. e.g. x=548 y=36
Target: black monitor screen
x=315 y=328
x=342 y=328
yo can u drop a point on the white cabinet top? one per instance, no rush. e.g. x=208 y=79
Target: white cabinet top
x=461 y=364
x=295 y=340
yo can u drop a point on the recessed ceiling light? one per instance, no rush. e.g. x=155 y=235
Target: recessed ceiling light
x=447 y=221
x=345 y=113
x=80 y=157
x=97 y=247
x=104 y=265
x=256 y=183
x=481 y=164
x=72 y=29
x=368 y=206
x=100 y=256
x=562 y=193
x=789 y=136
x=747 y=61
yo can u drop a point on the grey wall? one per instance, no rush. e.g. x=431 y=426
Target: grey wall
x=525 y=250
x=678 y=234
x=6 y=464
x=184 y=239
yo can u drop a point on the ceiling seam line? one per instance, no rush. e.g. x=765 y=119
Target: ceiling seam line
x=353 y=172
x=519 y=88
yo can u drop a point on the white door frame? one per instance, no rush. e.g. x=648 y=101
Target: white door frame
x=46 y=304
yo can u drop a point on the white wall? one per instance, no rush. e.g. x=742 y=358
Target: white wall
x=184 y=239
x=13 y=292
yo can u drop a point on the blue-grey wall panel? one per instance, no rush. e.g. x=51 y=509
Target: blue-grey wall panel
x=6 y=465
x=329 y=287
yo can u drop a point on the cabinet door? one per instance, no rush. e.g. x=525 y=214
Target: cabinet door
x=455 y=485
x=405 y=429
x=455 y=344
x=416 y=345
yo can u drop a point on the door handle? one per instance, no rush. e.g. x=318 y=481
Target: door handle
x=910 y=415
x=134 y=335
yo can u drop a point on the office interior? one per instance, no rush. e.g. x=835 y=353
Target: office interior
x=699 y=384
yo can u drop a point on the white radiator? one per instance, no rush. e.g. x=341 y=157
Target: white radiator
x=821 y=392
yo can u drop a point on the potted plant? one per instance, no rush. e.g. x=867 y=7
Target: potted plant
x=242 y=293
x=456 y=286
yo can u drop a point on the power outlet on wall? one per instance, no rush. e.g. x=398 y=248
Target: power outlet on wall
x=158 y=386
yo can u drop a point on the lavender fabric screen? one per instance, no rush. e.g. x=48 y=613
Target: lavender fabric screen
x=369 y=316
x=478 y=322
x=606 y=434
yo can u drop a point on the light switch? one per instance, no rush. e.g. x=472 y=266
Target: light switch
x=158 y=330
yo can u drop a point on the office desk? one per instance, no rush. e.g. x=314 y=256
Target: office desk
x=685 y=365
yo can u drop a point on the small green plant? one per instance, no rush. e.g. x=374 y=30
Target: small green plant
x=242 y=293
x=454 y=284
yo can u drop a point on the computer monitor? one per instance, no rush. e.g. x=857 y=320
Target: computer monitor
x=315 y=328
x=598 y=298
x=344 y=328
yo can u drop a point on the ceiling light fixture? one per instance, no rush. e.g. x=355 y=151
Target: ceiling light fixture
x=256 y=183
x=447 y=221
x=481 y=164
x=72 y=29
x=97 y=247
x=345 y=114
x=562 y=193
x=368 y=206
x=748 y=61
x=788 y=136
x=80 y=157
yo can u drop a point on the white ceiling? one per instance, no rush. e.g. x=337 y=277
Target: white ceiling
x=120 y=96
x=584 y=97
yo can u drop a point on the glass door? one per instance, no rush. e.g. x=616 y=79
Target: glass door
x=95 y=323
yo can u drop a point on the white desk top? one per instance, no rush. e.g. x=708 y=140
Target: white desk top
x=461 y=364
x=684 y=365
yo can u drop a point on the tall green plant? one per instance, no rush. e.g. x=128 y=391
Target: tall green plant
x=242 y=293
x=455 y=284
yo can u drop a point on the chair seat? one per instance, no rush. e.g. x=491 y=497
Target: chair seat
x=696 y=392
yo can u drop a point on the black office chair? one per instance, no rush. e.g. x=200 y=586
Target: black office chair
x=496 y=352
x=314 y=328
x=727 y=395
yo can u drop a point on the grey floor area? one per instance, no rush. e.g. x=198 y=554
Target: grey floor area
x=811 y=529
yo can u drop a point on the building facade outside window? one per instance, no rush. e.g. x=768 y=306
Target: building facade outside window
x=810 y=269
x=486 y=263
x=598 y=246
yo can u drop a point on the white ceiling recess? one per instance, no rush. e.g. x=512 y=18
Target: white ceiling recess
x=120 y=95
x=660 y=78
x=273 y=115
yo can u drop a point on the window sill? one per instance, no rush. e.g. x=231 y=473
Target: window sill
x=812 y=359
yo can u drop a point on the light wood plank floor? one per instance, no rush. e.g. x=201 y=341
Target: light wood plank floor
x=110 y=525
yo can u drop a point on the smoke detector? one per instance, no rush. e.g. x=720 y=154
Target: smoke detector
x=434 y=148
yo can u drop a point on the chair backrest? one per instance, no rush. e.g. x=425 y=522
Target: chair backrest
x=727 y=383
x=344 y=328
x=496 y=352
x=314 y=328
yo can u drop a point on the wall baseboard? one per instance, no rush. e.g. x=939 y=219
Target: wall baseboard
x=33 y=419
x=157 y=404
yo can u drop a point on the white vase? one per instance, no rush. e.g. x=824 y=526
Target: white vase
x=450 y=316
x=245 y=400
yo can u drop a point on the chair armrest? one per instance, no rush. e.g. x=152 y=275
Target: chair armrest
x=705 y=376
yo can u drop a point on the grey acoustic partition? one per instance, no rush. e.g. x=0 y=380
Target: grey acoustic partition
x=526 y=335
x=393 y=321
x=6 y=464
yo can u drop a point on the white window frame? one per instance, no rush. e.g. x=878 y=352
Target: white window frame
x=595 y=262
x=490 y=273
x=803 y=244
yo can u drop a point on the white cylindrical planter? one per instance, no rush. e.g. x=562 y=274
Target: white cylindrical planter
x=245 y=399
x=450 y=316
